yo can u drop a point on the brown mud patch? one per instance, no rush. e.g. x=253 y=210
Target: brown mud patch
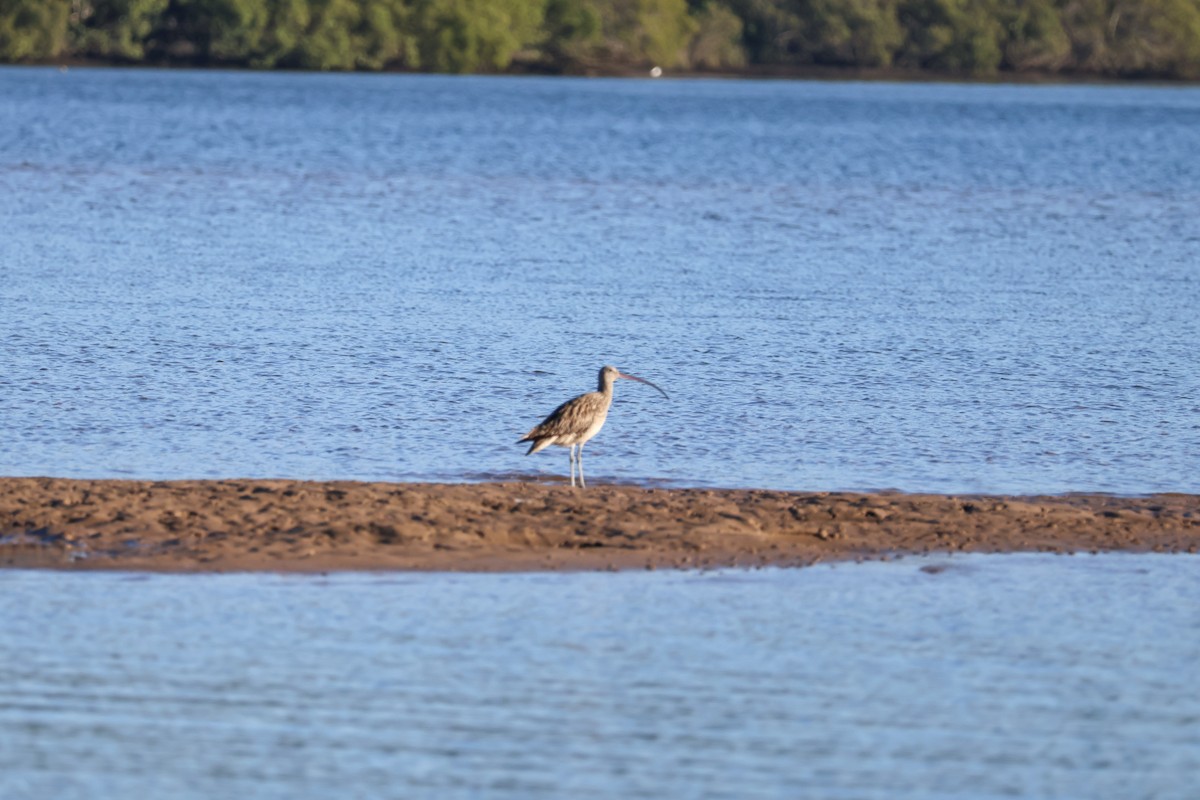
x=285 y=525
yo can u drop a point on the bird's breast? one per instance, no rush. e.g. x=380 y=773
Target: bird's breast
x=595 y=426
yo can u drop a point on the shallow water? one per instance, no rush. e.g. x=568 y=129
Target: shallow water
x=997 y=676
x=925 y=287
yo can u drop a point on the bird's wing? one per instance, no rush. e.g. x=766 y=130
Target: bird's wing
x=572 y=416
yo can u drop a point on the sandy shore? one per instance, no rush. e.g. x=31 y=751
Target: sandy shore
x=283 y=525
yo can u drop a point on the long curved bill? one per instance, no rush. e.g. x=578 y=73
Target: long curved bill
x=643 y=380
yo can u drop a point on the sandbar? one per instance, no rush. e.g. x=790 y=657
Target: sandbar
x=308 y=526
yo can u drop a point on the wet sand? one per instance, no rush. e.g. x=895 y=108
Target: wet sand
x=298 y=526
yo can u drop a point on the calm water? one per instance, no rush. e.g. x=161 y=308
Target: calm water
x=925 y=287
x=1002 y=676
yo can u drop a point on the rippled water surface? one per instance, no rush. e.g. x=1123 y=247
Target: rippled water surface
x=925 y=287
x=980 y=677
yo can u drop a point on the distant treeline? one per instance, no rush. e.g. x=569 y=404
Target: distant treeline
x=1129 y=38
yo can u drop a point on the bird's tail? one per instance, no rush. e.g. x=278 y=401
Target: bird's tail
x=540 y=443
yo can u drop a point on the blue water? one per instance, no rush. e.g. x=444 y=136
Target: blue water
x=994 y=676
x=922 y=287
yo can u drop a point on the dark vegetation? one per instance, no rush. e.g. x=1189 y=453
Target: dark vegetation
x=1105 y=38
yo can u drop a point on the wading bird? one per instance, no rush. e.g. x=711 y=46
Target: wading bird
x=575 y=421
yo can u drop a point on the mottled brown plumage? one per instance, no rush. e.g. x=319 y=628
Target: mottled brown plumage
x=577 y=420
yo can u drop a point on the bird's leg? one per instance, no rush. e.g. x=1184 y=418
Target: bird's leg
x=579 y=461
x=571 y=452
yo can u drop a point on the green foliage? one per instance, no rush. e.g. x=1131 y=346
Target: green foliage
x=382 y=36
x=335 y=35
x=237 y=27
x=718 y=38
x=951 y=35
x=1034 y=35
x=474 y=35
x=327 y=39
x=1159 y=38
x=288 y=23
x=114 y=28
x=863 y=33
x=771 y=30
x=1176 y=30
x=663 y=29
x=571 y=32
x=227 y=31
x=32 y=30
x=1134 y=37
x=647 y=31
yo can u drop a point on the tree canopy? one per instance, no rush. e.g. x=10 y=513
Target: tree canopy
x=1131 y=38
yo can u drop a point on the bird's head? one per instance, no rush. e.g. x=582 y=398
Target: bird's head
x=609 y=374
